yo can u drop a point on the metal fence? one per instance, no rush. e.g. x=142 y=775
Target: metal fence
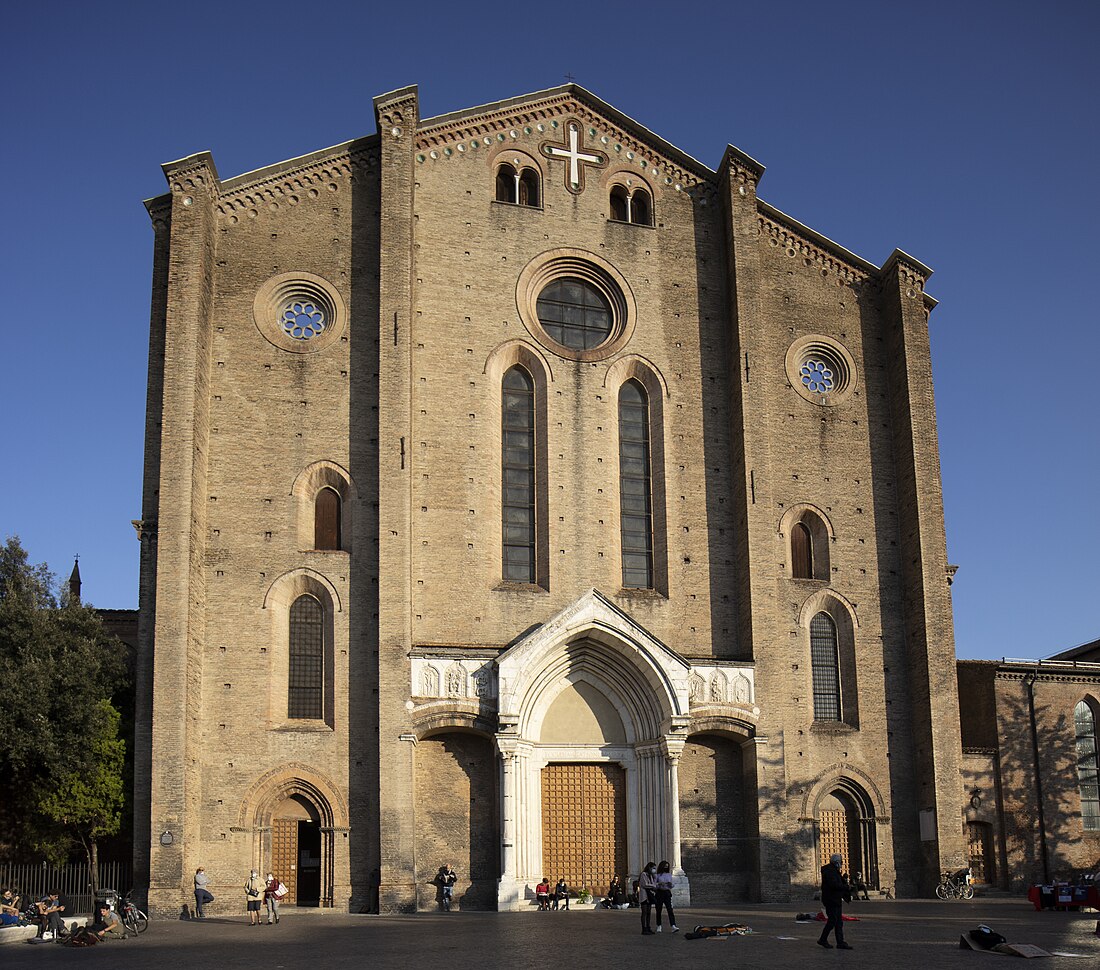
x=71 y=881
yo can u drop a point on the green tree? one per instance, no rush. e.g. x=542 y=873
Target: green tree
x=61 y=669
x=86 y=800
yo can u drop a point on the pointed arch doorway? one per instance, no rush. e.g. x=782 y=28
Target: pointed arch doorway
x=846 y=827
x=296 y=850
x=592 y=715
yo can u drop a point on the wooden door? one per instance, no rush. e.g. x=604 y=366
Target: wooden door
x=584 y=824
x=979 y=837
x=833 y=837
x=284 y=855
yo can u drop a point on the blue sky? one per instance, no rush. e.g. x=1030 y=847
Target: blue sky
x=964 y=133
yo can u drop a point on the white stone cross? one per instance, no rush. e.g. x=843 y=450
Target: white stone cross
x=575 y=155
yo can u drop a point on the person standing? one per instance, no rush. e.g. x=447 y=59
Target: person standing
x=253 y=894
x=834 y=893
x=274 y=891
x=447 y=879
x=561 y=894
x=202 y=894
x=647 y=894
x=665 y=882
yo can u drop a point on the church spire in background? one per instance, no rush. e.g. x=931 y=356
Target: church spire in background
x=74 y=582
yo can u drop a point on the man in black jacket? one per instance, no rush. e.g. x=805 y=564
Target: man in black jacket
x=834 y=893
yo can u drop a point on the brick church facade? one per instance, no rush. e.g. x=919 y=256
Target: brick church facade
x=523 y=494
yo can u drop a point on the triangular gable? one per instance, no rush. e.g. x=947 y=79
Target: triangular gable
x=594 y=617
x=527 y=120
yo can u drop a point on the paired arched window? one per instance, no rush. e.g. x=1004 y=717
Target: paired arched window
x=635 y=487
x=825 y=665
x=517 y=186
x=518 y=476
x=631 y=206
x=306 y=671
x=326 y=519
x=1088 y=769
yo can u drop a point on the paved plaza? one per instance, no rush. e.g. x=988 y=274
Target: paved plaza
x=906 y=935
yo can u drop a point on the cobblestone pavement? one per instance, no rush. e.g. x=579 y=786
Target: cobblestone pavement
x=905 y=935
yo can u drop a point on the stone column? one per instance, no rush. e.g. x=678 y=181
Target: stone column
x=673 y=748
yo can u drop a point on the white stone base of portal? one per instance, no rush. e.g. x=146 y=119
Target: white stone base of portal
x=681 y=892
x=512 y=895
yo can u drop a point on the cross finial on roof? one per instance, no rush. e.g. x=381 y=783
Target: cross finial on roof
x=570 y=78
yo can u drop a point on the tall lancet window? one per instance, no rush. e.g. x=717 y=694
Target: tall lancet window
x=306 y=674
x=635 y=487
x=825 y=664
x=1088 y=765
x=518 y=476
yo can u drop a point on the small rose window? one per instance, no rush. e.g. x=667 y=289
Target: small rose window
x=817 y=376
x=302 y=320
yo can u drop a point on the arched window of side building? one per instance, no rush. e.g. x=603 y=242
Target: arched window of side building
x=1088 y=769
x=506 y=189
x=306 y=671
x=635 y=487
x=518 y=476
x=529 y=188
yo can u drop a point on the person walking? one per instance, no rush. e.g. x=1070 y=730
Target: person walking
x=834 y=893
x=274 y=891
x=203 y=896
x=253 y=894
x=665 y=882
x=647 y=894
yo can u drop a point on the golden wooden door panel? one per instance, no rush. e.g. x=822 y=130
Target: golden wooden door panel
x=284 y=855
x=833 y=839
x=584 y=823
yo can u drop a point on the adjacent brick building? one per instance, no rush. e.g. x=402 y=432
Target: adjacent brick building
x=523 y=494
x=1029 y=730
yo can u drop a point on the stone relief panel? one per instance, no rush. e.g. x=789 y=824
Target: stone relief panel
x=722 y=685
x=453 y=677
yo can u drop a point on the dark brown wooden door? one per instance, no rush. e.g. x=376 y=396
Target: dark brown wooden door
x=979 y=837
x=584 y=824
x=284 y=855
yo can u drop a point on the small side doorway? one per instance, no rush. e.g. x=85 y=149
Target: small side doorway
x=979 y=837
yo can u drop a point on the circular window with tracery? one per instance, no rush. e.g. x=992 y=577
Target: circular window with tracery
x=299 y=312
x=575 y=304
x=820 y=369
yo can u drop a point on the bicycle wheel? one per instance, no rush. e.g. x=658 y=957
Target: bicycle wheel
x=943 y=891
x=141 y=921
x=966 y=891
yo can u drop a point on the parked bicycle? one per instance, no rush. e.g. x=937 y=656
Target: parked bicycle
x=956 y=885
x=133 y=919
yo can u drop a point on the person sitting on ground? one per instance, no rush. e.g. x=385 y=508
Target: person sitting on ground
x=9 y=908
x=561 y=893
x=859 y=885
x=106 y=925
x=615 y=889
x=50 y=909
x=542 y=894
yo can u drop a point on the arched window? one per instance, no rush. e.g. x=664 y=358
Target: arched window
x=631 y=206
x=825 y=664
x=1088 y=770
x=802 y=558
x=326 y=520
x=641 y=210
x=506 y=183
x=518 y=476
x=635 y=484
x=529 y=188
x=619 y=204
x=306 y=673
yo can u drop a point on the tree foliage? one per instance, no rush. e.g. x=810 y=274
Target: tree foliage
x=61 y=762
